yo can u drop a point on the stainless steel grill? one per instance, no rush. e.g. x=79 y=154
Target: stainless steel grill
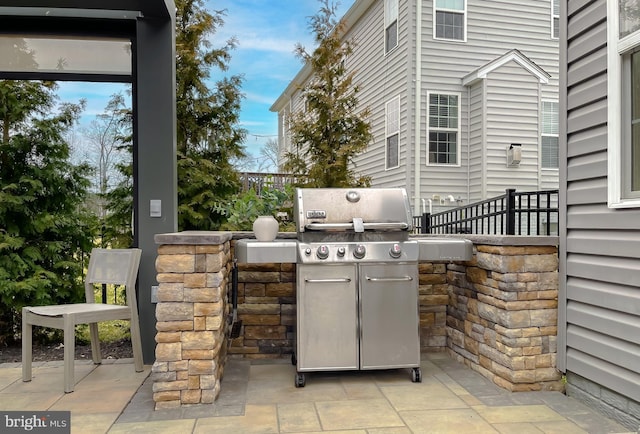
x=357 y=282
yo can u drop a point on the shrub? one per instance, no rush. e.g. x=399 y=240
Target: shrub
x=244 y=208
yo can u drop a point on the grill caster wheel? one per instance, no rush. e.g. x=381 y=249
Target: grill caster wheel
x=416 y=375
x=300 y=380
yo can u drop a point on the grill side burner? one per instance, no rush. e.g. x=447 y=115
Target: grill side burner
x=357 y=282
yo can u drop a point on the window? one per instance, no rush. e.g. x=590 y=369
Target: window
x=444 y=128
x=549 y=138
x=555 y=18
x=393 y=133
x=623 y=123
x=390 y=25
x=450 y=20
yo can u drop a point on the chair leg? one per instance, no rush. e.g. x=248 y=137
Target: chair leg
x=27 y=356
x=136 y=345
x=96 y=355
x=69 y=352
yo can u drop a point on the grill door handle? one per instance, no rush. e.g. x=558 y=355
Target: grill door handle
x=338 y=280
x=390 y=279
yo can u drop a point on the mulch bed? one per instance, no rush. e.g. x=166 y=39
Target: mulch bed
x=42 y=353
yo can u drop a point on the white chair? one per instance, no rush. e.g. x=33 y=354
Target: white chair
x=109 y=266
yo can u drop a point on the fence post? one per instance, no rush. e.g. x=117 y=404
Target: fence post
x=511 y=211
x=425 y=224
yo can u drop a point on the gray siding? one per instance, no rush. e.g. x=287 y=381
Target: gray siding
x=382 y=78
x=494 y=27
x=600 y=252
x=512 y=117
x=476 y=141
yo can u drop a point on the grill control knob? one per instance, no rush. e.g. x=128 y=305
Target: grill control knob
x=359 y=251
x=395 y=251
x=322 y=252
x=341 y=251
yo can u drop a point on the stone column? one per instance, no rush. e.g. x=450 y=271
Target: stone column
x=503 y=312
x=191 y=314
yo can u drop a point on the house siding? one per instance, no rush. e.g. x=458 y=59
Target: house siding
x=513 y=98
x=383 y=77
x=600 y=254
x=476 y=141
x=494 y=27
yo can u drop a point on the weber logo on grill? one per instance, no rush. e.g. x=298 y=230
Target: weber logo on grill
x=316 y=214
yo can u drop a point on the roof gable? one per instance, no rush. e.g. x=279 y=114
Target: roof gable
x=513 y=55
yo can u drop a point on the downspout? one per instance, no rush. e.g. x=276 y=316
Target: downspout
x=418 y=115
x=468 y=144
x=483 y=180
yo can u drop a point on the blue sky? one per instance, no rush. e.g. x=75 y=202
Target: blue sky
x=267 y=31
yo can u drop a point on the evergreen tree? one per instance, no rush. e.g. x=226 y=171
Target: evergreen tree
x=44 y=228
x=207 y=132
x=332 y=130
x=117 y=227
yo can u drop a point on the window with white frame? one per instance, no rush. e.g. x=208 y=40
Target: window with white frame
x=390 y=25
x=450 y=20
x=392 y=133
x=555 y=18
x=444 y=128
x=623 y=123
x=549 y=139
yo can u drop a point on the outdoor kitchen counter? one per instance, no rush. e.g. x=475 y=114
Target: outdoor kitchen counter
x=252 y=251
x=249 y=251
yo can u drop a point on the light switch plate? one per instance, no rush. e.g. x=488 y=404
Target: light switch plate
x=154 y=294
x=155 y=208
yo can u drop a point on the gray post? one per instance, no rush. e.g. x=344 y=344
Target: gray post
x=155 y=169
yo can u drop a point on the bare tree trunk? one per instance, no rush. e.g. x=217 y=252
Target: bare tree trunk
x=5 y=131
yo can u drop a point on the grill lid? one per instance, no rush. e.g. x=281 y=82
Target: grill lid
x=352 y=210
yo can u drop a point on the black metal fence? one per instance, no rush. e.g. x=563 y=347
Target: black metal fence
x=513 y=213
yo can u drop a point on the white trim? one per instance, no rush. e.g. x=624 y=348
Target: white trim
x=553 y=17
x=513 y=55
x=616 y=47
x=464 y=14
x=458 y=135
x=628 y=42
x=391 y=13
x=389 y=133
x=417 y=120
x=543 y=134
x=395 y=47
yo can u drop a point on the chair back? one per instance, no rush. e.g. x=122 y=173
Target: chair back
x=113 y=266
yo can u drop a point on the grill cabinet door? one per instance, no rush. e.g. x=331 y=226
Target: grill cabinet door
x=389 y=316
x=327 y=317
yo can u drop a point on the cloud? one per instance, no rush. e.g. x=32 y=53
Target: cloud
x=274 y=45
x=259 y=98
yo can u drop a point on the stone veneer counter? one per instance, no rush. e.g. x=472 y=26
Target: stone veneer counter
x=496 y=313
x=193 y=273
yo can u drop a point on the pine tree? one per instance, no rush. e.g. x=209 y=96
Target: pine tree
x=208 y=135
x=332 y=130
x=117 y=224
x=45 y=231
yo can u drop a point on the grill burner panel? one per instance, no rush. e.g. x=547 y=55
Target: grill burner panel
x=368 y=251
